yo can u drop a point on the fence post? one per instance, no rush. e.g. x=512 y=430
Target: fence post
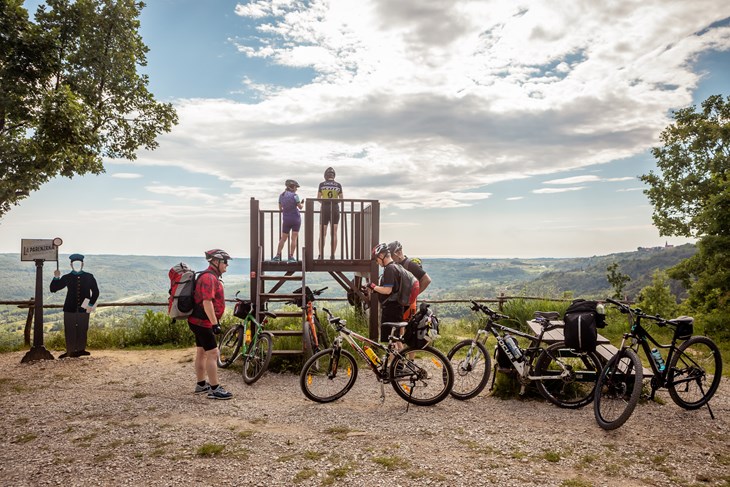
x=28 y=322
x=501 y=302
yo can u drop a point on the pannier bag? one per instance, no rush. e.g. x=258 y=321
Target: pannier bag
x=242 y=309
x=582 y=318
x=685 y=327
x=422 y=329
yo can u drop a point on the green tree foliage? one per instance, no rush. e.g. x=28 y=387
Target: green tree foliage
x=70 y=93
x=657 y=299
x=691 y=197
x=617 y=280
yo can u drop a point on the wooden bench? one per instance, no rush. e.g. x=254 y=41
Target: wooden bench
x=605 y=350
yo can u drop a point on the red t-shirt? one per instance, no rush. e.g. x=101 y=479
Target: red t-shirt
x=209 y=288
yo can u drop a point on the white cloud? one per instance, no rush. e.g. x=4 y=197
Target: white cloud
x=515 y=198
x=183 y=192
x=557 y=190
x=445 y=98
x=126 y=175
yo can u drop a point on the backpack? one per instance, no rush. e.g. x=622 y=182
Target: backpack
x=582 y=318
x=407 y=282
x=422 y=329
x=181 y=302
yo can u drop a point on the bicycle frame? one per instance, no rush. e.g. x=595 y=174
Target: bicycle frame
x=350 y=337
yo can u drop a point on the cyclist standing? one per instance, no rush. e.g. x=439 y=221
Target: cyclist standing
x=387 y=289
x=205 y=323
x=415 y=268
x=330 y=190
x=289 y=205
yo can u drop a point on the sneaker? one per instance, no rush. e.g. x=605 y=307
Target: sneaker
x=276 y=258
x=204 y=389
x=292 y=260
x=219 y=393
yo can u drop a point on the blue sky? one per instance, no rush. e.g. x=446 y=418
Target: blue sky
x=485 y=128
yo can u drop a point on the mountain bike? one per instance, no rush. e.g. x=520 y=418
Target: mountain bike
x=421 y=376
x=692 y=375
x=247 y=339
x=315 y=335
x=565 y=377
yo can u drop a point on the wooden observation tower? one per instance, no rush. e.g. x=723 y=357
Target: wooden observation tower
x=358 y=232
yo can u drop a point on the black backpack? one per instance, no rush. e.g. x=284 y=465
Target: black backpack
x=581 y=322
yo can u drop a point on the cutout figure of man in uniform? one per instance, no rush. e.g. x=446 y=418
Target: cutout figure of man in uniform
x=81 y=296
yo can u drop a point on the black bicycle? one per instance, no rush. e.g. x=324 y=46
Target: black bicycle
x=691 y=372
x=421 y=376
x=563 y=376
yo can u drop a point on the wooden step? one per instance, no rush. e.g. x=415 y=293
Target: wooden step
x=285 y=332
x=267 y=277
x=287 y=352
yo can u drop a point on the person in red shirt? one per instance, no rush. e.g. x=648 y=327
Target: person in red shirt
x=205 y=324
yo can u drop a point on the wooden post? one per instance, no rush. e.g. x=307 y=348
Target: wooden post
x=38 y=351
x=28 y=322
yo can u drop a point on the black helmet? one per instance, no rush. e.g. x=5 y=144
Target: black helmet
x=394 y=246
x=380 y=249
x=291 y=184
x=217 y=254
x=329 y=172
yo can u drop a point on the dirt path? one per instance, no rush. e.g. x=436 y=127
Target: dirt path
x=129 y=418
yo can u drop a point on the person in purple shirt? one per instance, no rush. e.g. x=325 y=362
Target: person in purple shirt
x=289 y=205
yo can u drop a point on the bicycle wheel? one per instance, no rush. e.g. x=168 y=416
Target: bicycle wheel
x=618 y=389
x=229 y=346
x=258 y=358
x=472 y=366
x=327 y=375
x=322 y=337
x=308 y=340
x=424 y=380
x=573 y=376
x=695 y=372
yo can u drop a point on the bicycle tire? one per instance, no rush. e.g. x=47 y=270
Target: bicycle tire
x=332 y=378
x=694 y=361
x=571 y=389
x=258 y=358
x=322 y=337
x=618 y=389
x=229 y=346
x=424 y=380
x=472 y=365
x=308 y=345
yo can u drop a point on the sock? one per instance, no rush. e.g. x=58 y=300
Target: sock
x=201 y=383
x=214 y=387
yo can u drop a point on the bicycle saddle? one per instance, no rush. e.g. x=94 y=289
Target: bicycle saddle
x=682 y=320
x=548 y=315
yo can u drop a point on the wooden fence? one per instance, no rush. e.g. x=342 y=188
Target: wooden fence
x=30 y=305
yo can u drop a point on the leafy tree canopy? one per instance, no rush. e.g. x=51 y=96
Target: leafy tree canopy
x=70 y=94
x=695 y=165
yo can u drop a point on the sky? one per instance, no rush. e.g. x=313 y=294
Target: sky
x=485 y=128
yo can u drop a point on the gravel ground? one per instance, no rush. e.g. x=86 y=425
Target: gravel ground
x=130 y=418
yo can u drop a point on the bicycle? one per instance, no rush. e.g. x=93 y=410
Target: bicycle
x=420 y=376
x=563 y=376
x=692 y=377
x=247 y=339
x=315 y=335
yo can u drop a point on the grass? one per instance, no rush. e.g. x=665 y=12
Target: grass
x=210 y=450
x=390 y=463
x=25 y=438
x=303 y=475
x=551 y=456
x=576 y=482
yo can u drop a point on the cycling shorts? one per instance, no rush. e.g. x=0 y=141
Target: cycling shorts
x=204 y=337
x=291 y=224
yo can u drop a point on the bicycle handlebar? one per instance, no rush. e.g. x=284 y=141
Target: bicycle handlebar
x=626 y=309
x=488 y=311
x=319 y=291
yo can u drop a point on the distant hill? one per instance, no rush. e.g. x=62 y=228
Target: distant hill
x=130 y=277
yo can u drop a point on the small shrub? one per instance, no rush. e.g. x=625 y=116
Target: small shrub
x=210 y=450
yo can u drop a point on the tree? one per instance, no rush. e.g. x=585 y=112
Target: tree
x=70 y=94
x=657 y=298
x=617 y=280
x=691 y=197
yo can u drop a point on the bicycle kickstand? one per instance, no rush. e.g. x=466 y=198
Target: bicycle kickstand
x=382 y=393
x=702 y=390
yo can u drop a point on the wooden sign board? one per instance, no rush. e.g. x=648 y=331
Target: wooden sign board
x=32 y=249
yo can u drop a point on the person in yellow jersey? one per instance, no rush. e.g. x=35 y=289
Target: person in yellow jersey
x=330 y=190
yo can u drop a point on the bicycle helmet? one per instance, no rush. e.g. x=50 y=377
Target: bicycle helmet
x=217 y=254
x=394 y=246
x=291 y=184
x=381 y=248
x=329 y=172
